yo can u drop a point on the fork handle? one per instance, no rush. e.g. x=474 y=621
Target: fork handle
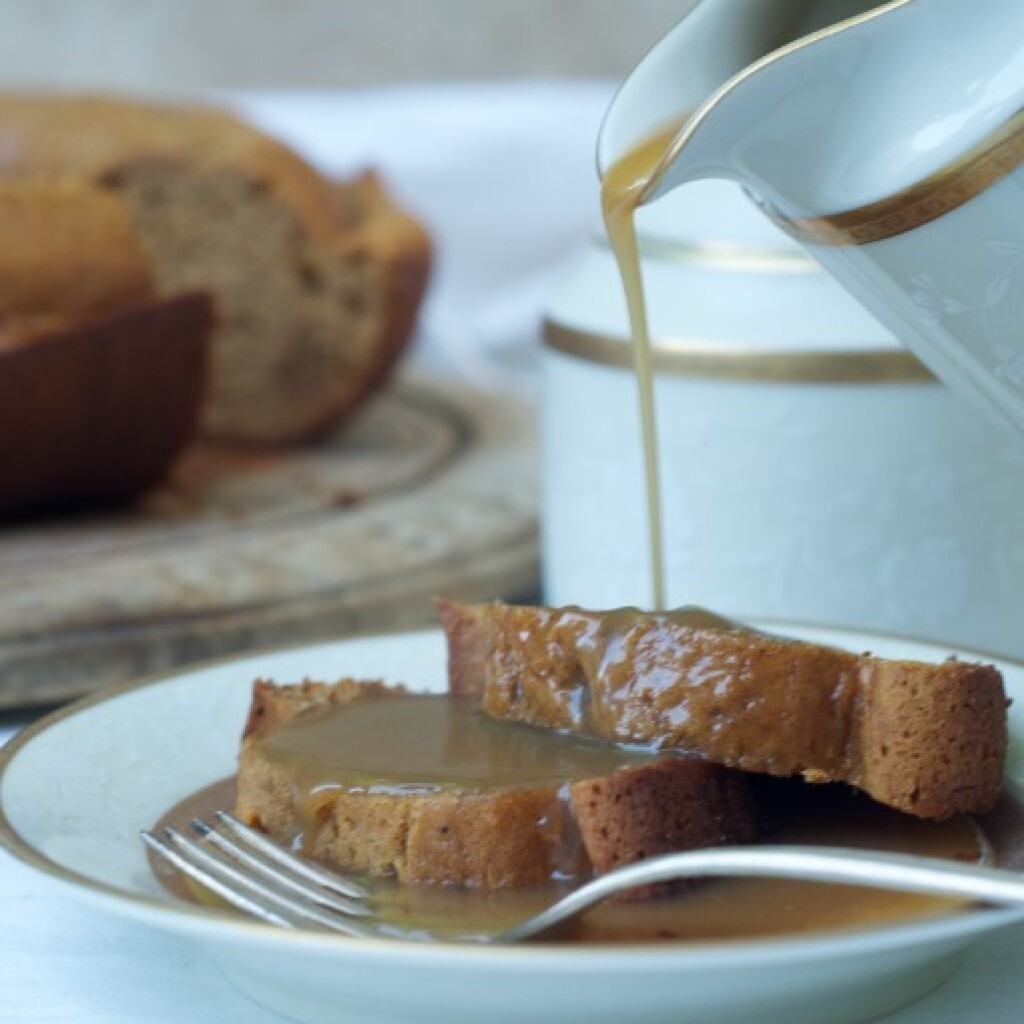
x=838 y=865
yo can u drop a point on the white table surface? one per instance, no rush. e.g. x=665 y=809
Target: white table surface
x=503 y=176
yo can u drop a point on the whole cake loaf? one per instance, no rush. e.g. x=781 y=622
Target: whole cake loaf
x=316 y=285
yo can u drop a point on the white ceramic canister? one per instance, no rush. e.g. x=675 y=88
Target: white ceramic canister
x=811 y=468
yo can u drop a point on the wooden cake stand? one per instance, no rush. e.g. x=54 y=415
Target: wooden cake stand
x=431 y=491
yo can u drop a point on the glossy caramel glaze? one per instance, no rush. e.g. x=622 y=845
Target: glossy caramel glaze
x=415 y=743
x=673 y=679
x=926 y=739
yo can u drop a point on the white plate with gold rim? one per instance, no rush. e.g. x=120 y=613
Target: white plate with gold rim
x=76 y=788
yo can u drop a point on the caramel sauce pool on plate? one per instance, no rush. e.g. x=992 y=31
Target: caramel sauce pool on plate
x=712 y=910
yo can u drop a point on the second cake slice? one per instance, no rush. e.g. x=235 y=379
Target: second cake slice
x=926 y=739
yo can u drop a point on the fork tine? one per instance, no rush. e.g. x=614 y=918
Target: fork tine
x=278 y=873
x=313 y=872
x=208 y=866
x=232 y=896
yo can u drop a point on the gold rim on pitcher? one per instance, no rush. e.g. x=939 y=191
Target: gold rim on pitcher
x=929 y=199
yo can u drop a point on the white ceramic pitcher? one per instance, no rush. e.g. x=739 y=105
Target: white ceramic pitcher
x=888 y=139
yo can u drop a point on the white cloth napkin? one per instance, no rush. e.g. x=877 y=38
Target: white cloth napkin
x=503 y=175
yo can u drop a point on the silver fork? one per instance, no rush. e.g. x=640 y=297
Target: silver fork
x=268 y=882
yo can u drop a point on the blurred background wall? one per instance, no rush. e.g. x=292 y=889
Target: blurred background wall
x=158 y=45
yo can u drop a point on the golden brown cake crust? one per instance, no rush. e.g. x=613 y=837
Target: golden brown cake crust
x=664 y=816
x=926 y=739
x=97 y=137
x=68 y=250
x=515 y=836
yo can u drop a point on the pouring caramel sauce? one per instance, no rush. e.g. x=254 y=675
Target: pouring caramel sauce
x=438 y=744
x=622 y=190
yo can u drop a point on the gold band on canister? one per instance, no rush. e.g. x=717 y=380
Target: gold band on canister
x=711 y=360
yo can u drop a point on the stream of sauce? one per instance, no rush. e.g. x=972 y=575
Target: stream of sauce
x=622 y=189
